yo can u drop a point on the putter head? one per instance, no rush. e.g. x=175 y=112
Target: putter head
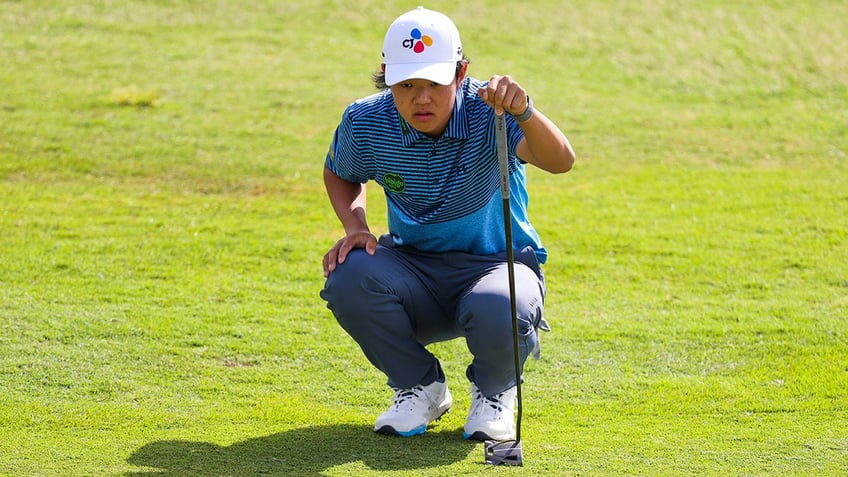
x=504 y=453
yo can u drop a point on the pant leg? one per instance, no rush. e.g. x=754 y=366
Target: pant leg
x=484 y=312
x=385 y=304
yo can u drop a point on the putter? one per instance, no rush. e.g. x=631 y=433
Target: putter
x=508 y=452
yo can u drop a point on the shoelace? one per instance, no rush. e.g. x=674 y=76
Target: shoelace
x=493 y=402
x=405 y=394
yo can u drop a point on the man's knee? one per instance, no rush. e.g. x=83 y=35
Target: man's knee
x=348 y=276
x=360 y=289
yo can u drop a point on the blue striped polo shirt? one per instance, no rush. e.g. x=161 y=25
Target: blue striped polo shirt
x=442 y=194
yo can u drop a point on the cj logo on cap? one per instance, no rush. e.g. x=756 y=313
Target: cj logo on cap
x=418 y=41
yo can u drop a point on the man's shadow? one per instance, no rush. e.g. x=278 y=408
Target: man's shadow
x=301 y=452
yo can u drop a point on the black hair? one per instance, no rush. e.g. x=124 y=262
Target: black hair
x=379 y=76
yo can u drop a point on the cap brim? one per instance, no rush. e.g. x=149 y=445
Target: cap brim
x=442 y=73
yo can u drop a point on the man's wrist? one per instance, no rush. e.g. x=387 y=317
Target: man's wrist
x=527 y=114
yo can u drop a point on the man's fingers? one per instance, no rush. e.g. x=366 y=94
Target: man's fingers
x=329 y=261
x=497 y=95
x=504 y=95
x=343 y=251
x=332 y=257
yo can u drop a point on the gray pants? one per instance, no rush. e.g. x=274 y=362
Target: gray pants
x=399 y=300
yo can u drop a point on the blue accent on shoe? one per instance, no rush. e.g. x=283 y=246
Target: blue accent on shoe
x=414 y=432
x=391 y=431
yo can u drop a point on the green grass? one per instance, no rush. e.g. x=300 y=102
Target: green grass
x=162 y=222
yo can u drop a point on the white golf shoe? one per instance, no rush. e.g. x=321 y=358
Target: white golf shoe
x=491 y=418
x=414 y=409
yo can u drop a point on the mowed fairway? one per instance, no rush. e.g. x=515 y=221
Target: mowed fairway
x=163 y=220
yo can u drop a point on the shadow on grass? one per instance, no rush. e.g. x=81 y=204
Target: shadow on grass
x=301 y=452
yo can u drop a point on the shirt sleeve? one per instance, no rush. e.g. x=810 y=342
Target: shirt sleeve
x=345 y=157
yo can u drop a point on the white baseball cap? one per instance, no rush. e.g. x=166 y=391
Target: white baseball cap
x=421 y=44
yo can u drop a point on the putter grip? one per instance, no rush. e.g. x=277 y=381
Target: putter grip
x=503 y=154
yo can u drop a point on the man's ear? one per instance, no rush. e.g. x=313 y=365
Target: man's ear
x=383 y=67
x=463 y=70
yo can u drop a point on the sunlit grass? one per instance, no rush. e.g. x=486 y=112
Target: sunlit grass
x=162 y=222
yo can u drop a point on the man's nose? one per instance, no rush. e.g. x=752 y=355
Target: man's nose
x=423 y=96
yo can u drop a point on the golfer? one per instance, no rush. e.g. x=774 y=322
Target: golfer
x=428 y=139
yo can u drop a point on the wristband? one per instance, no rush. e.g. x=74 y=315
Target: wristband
x=527 y=114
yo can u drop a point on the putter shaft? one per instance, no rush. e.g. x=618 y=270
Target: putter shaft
x=503 y=164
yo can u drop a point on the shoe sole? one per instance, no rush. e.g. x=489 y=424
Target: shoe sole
x=483 y=437
x=391 y=431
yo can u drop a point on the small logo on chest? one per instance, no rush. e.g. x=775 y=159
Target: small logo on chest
x=394 y=182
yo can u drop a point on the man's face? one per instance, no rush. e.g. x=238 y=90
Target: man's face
x=425 y=105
